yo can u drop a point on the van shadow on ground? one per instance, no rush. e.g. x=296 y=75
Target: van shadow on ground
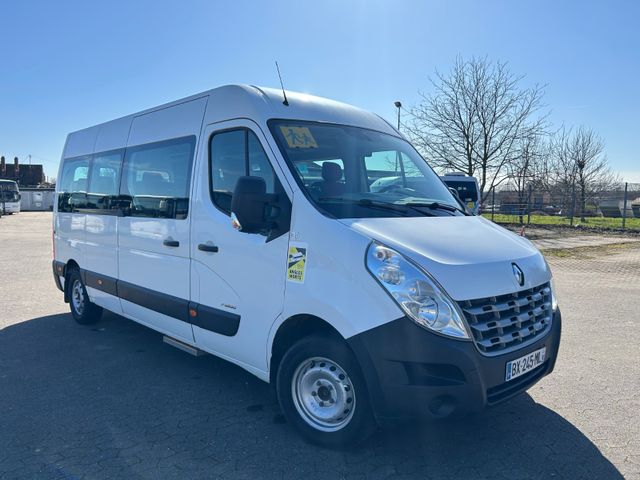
x=111 y=400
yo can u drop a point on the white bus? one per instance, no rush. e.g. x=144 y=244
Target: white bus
x=9 y=197
x=244 y=225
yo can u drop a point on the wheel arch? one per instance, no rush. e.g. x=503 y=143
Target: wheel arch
x=70 y=265
x=293 y=329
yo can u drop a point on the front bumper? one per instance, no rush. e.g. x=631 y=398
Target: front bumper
x=9 y=208
x=59 y=269
x=413 y=373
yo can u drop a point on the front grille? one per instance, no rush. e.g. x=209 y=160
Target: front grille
x=506 y=322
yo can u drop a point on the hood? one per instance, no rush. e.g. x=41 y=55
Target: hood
x=470 y=257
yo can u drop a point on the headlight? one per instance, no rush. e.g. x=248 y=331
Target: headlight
x=554 y=299
x=417 y=294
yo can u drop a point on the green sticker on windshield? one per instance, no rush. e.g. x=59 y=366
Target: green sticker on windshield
x=298 y=137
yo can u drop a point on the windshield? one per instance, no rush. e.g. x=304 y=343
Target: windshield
x=351 y=172
x=8 y=192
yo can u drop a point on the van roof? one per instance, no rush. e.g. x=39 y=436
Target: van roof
x=257 y=103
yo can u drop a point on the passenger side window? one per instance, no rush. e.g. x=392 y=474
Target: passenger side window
x=234 y=154
x=103 y=180
x=72 y=185
x=259 y=165
x=156 y=178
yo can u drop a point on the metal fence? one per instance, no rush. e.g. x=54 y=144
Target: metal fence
x=615 y=208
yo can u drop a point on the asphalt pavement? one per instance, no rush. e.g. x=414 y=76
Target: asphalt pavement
x=112 y=401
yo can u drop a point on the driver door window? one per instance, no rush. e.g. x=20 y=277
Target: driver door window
x=233 y=154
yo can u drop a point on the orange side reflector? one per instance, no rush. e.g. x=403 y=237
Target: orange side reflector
x=193 y=312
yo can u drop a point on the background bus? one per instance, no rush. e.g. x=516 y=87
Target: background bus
x=9 y=197
x=467 y=188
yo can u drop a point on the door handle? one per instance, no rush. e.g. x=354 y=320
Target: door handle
x=205 y=247
x=171 y=243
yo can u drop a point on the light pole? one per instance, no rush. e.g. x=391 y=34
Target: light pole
x=398 y=106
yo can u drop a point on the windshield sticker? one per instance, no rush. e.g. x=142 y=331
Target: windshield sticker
x=298 y=137
x=297 y=262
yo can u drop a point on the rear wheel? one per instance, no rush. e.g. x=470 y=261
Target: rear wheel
x=322 y=393
x=82 y=310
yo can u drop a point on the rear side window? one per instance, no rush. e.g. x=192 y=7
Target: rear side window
x=72 y=185
x=234 y=154
x=104 y=177
x=156 y=178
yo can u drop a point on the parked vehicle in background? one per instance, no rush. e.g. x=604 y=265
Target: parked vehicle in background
x=248 y=227
x=467 y=188
x=551 y=210
x=9 y=197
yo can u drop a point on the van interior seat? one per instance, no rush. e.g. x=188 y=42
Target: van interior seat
x=331 y=176
x=152 y=184
x=79 y=185
x=104 y=185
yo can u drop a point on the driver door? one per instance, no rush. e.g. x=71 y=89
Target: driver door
x=237 y=279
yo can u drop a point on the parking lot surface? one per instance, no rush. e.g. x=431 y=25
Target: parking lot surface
x=112 y=401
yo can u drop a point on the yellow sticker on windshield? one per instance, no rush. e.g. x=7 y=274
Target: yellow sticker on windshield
x=298 y=137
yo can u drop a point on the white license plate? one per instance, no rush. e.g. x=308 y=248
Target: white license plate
x=525 y=364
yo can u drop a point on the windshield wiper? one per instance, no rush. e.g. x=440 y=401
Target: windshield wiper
x=402 y=208
x=437 y=206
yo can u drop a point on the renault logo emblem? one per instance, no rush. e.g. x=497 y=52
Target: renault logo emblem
x=518 y=273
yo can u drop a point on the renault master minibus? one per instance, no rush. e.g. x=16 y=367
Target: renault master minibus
x=260 y=229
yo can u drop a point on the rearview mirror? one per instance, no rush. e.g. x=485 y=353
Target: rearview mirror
x=249 y=205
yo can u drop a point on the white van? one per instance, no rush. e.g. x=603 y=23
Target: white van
x=466 y=187
x=245 y=226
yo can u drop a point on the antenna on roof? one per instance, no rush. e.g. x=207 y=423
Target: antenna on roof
x=284 y=94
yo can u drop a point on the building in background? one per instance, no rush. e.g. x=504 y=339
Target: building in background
x=24 y=175
x=35 y=194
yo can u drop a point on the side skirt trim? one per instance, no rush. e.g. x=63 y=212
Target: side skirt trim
x=203 y=316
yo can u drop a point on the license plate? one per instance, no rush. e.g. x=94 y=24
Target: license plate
x=525 y=364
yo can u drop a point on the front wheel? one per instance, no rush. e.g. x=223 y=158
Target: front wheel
x=323 y=394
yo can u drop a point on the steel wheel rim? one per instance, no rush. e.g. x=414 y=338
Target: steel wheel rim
x=77 y=297
x=323 y=394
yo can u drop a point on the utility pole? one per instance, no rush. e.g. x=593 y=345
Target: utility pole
x=624 y=205
x=398 y=106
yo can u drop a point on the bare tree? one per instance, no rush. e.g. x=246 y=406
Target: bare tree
x=528 y=170
x=580 y=168
x=473 y=119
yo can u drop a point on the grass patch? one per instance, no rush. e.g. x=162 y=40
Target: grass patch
x=589 y=252
x=597 y=222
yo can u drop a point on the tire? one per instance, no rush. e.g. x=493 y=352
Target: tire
x=82 y=310
x=322 y=393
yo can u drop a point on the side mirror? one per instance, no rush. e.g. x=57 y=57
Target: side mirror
x=249 y=205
